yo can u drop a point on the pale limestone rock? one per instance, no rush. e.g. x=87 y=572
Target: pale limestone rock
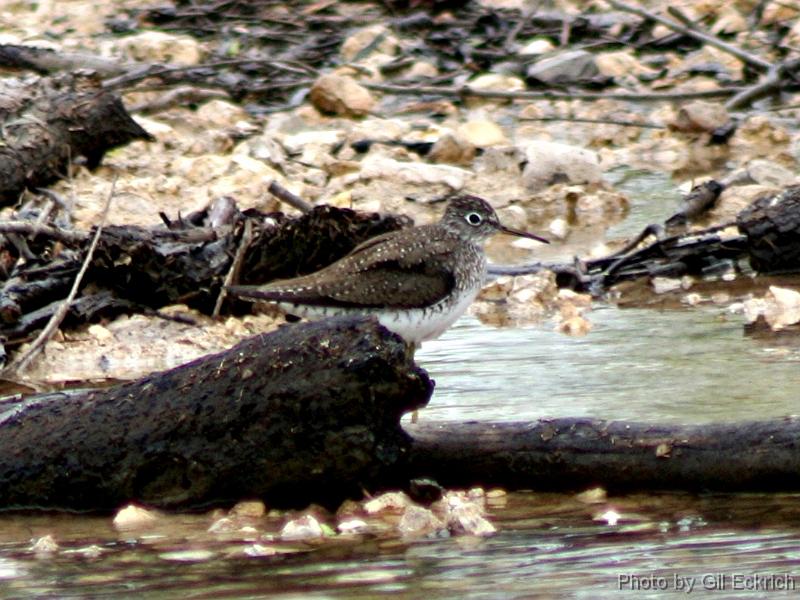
x=497 y=82
x=44 y=546
x=558 y=228
x=536 y=46
x=381 y=167
x=352 y=526
x=378 y=38
x=160 y=47
x=298 y=142
x=249 y=508
x=305 y=527
x=341 y=95
x=482 y=133
x=699 y=116
x=221 y=113
x=620 y=64
x=421 y=70
x=453 y=149
x=768 y=172
x=134 y=517
x=389 y=502
x=419 y=522
x=782 y=307
x=553 y=162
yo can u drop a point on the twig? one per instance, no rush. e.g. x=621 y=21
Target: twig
x=769 y=84
x=466 y=91
x=284 y=195
x=596 y=121
x=746 y=57
x=72 y=238
x=19 y=365
x=236 y=265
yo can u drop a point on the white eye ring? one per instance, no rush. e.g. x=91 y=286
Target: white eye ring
x=474 y=218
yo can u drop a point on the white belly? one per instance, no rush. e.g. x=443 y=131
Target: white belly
x=414 y=325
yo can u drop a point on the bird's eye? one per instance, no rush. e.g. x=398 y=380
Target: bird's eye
x=474 y=219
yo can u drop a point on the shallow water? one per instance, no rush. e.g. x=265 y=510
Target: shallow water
x=688 y=366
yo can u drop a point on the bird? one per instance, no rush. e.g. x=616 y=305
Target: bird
x=416 y=281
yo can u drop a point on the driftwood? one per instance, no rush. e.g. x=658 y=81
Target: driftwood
x=51 y=121
x=309 y=413
x=572 y=454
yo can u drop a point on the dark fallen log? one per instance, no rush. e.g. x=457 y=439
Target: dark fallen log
x=772 y=227
x=573 y=454
x=50 y=121
x=309 y=413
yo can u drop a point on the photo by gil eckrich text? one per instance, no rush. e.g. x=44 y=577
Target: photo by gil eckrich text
x=721 y=582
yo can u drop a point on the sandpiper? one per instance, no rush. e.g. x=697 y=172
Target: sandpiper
x=416 y=281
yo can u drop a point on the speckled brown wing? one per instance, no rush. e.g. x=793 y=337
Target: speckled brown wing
x=400 y=270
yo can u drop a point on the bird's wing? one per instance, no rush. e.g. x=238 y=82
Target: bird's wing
x=400 y=277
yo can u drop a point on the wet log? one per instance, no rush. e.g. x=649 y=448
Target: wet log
x=573 y=454
x=772 y=226
x=52 y=120
x=309 y=413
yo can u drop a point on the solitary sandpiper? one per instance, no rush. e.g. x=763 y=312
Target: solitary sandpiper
x=416 y=281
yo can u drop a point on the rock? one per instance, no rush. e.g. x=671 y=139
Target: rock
x=598 y=206
x=497 y=82
x=664 y=285
x=352 y=526
x=499 y=289
x=341 y=95
x=595 y=495
x=536 y=46
x=224 y=525
x=768 y=172
x=134 y=517
x=465 y=515
x=298 y=142
x=452 y=148
x=620 y=64
x=419 y=522
x=493 y=82
x=482 y=133
x=699 y=116
x=220 y=114
x=570 y=66
x=576 y=326
x=249 y=508
x=558 y=228
x=44 y=545
x=554 y=162
x=160 y=47
x=382 y=167
x=303 y=528
x=421 y=70
x=782 y=307
x=389 y=502
x=368 y=40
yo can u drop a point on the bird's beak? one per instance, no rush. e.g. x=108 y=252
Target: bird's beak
x=530 y=236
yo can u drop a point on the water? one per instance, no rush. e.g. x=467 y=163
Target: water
x=689 y=366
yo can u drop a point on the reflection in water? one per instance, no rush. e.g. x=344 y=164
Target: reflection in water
x=636 y=364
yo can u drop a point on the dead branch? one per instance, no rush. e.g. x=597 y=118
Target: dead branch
x=746 y=57
x=466 y=91
x=284 y=195
x=44 y=336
